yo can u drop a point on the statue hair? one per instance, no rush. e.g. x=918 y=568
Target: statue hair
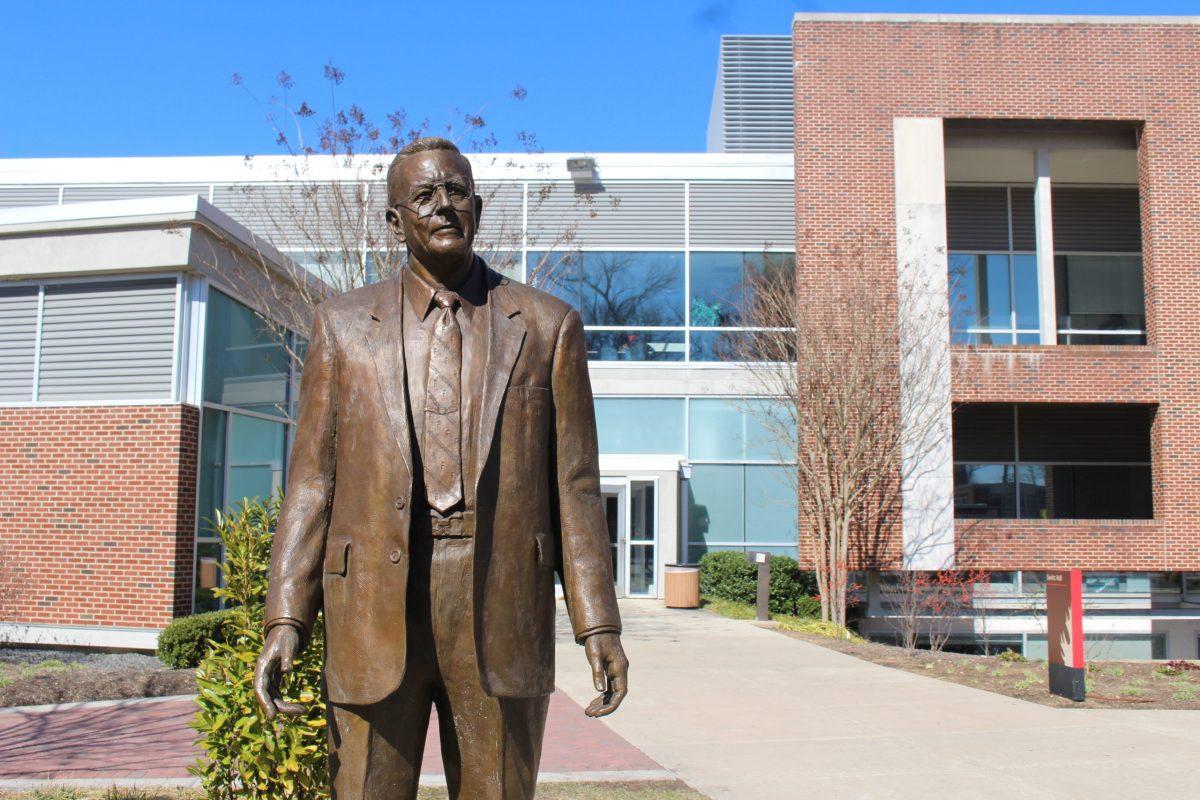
x=423 y=145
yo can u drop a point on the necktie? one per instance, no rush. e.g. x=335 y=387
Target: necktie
x=442 y=448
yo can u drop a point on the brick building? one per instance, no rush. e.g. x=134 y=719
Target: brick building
x=1046 y=167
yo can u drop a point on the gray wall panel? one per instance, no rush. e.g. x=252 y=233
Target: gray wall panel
x=618 y=216
x=743 y=216
x=108 y=341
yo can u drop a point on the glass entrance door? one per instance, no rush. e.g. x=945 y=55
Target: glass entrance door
x=615 y=493
x=631 y=510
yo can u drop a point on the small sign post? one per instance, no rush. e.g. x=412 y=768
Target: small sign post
x=1064 y=633
x=763 y=604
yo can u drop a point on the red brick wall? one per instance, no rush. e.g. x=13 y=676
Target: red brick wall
x=97 y=510
x=852 y=80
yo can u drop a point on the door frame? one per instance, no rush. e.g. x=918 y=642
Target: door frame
x=621 y=486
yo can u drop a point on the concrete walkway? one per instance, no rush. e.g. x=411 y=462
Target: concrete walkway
x=738 y=711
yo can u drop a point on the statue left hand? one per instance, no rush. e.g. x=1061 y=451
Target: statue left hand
x=610 y=672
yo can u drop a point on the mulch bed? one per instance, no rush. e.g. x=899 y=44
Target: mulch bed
x=1110 y=684
x=44 y=677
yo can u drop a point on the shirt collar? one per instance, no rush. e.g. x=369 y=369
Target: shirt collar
x=420 y=292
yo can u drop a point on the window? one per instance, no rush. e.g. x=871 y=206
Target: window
x=1052 y=461
x=720 y=287
x=249 y=394
x=739 y=496
x=640 y=425
x=1100 y=299
x=246 y=361
x=638 y=307
x=993 y=266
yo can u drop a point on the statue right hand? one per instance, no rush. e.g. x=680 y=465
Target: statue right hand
x=278 y=654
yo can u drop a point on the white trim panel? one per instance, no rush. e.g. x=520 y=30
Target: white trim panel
x=928 y=479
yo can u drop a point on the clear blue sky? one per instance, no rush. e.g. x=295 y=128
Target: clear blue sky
x=142 y=78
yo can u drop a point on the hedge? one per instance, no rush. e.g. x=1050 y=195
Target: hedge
x=183 y=643
x=729 y=576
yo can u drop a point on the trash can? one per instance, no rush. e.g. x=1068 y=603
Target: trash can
x=682 y=585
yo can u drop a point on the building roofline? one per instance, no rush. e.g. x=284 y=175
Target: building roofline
x=1000 y=19
x=488 y=167
x=150 y=212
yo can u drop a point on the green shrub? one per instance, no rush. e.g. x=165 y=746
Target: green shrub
x=246 y=756
x=728 y=576
x=184 y=642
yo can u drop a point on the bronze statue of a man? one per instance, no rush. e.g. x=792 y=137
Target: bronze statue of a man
x=444 y=469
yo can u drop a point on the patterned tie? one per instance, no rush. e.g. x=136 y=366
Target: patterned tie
x=442 y=448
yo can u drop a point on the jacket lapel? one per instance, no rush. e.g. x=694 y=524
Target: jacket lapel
x=506 y=334
x=385 y=338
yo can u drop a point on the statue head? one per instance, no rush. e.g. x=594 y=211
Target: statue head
x=433 y=208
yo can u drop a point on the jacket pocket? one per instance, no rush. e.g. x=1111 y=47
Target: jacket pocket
x=337 y=557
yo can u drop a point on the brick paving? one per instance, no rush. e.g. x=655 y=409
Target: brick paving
x=151 y=739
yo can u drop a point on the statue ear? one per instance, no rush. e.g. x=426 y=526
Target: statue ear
x=395 y=224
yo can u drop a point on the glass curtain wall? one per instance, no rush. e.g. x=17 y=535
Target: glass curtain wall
x=655 y=306
x=741 y=495
x=250 y=390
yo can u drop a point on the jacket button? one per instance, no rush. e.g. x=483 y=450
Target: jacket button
x=394 y=556
x=399 y=503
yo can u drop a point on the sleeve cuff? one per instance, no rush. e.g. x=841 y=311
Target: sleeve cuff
x=293 y=623
x=584 y=634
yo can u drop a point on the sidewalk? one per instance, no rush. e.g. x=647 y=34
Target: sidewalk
x=738 y=711
x=149 y=740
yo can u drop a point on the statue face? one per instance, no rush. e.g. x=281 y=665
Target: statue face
x=438 y=212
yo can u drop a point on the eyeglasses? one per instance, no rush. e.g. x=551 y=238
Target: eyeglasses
x=426 y=199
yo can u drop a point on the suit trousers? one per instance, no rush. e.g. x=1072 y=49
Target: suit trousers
x=490 y=746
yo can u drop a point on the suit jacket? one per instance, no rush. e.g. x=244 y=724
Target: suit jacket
x=342 y=540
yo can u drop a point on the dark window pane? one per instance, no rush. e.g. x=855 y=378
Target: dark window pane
x=1097 y=491
x=1095 y=294
x=609 y=288
x=630 y=345
x=984 y=490
x=1085 y=432
x=1023 y=233
x=1096 y=219
x=977 y=217
x=984 y=432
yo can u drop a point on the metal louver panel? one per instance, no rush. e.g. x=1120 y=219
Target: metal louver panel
x=754 y=95
x=17 y=196
x=1096 y=219
x=18 y=340
x=976 y=218
x=299 y=216
x=108 y=341
x=620 y=216
x=130 y=191
x=745 y=216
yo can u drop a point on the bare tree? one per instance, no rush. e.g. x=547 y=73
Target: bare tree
x=856 y=429
x=321 y=204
